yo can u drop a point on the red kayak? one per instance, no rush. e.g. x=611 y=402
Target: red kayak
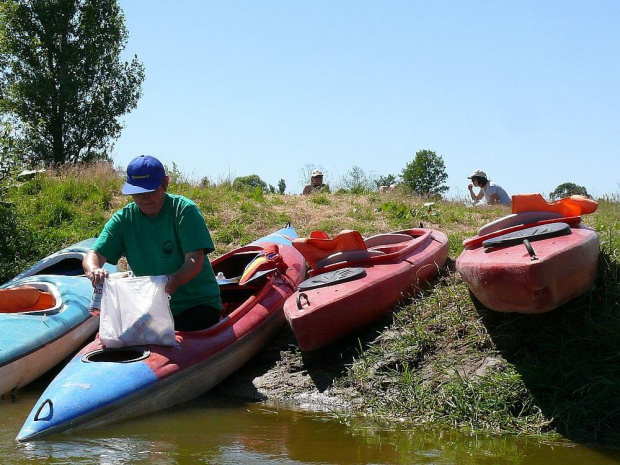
x=534 y=262
x=356 y=281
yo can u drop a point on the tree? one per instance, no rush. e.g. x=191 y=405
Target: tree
x=9 y=148
x=386 y=181
x=62 y=78
x=567 y=189
x=281 y=186
x=356 y=181
x=426 y=174
x=249 y=183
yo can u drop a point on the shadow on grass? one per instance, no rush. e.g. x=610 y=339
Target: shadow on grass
x=569 y=358
x=333 y=361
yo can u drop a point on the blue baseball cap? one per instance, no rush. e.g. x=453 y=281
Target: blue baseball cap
x=144 y=174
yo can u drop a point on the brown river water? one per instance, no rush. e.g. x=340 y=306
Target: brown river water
x=216 y=430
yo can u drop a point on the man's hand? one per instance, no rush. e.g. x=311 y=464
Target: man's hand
x=92 y=264
x=97 y=276
x=172 y=284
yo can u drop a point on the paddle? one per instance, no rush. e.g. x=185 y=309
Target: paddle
x=476 y=241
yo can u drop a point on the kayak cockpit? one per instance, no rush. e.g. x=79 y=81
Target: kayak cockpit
x=349 y=248
x=63 y=263
x=117 y=355
x=35 y=298
x=239 y=284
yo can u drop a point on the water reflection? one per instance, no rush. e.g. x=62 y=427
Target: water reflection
x=220 y=431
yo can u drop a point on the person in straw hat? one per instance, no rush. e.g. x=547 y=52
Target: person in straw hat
x=491 y=192
x=316 y=184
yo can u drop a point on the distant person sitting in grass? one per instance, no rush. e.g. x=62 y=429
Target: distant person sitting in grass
x=316 y=184
x=492 y=193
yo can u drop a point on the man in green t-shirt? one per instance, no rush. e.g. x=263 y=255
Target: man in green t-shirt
x=161 y=234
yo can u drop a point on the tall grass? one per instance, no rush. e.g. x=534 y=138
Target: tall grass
x=554 y=373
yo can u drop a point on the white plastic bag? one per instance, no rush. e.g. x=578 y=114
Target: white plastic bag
x=135 y=311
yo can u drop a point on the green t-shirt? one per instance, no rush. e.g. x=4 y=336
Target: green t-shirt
x=157 y=246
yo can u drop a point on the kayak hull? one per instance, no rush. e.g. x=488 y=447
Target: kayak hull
x=508 y=279
x=100 y=386
x=78 y=403
x=324 y=315
x=33 y=342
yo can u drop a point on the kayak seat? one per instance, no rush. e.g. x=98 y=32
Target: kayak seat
x=346 y=257
x=25 y=299
x=573 y=205
x=386 y=239
x=319 y=247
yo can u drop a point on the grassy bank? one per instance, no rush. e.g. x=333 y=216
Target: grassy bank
x=441 y=358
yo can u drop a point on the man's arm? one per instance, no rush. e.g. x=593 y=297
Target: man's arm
x=188 y=271
x=92 y=264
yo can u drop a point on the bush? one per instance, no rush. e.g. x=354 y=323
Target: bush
x=356 y=181
x=567 y=189
x=249 y=183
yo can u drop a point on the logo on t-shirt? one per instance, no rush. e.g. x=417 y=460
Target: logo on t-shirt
x=167 y=248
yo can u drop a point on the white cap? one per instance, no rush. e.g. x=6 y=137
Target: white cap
x=478 y=173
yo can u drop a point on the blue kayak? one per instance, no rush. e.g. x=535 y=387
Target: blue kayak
x=102 y=385
x=34 y=339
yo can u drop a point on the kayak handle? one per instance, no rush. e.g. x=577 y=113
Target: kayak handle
x=530 y=249
x=36 y=415
x=299 y=296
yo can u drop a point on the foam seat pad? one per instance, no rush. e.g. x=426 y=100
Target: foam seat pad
x=315 y=249
x=24 y=298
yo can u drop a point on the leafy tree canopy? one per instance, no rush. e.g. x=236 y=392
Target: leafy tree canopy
x=387 y=180
x=61 y=76
x=249 y=183
x=281 y=186
x=567 y=189
x=426 y=174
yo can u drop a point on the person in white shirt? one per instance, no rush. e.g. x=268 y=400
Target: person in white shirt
x=491 y=192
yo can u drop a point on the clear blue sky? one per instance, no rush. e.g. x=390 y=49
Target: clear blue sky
x=528 y=91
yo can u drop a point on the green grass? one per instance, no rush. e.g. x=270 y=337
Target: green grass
x=442 y=358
